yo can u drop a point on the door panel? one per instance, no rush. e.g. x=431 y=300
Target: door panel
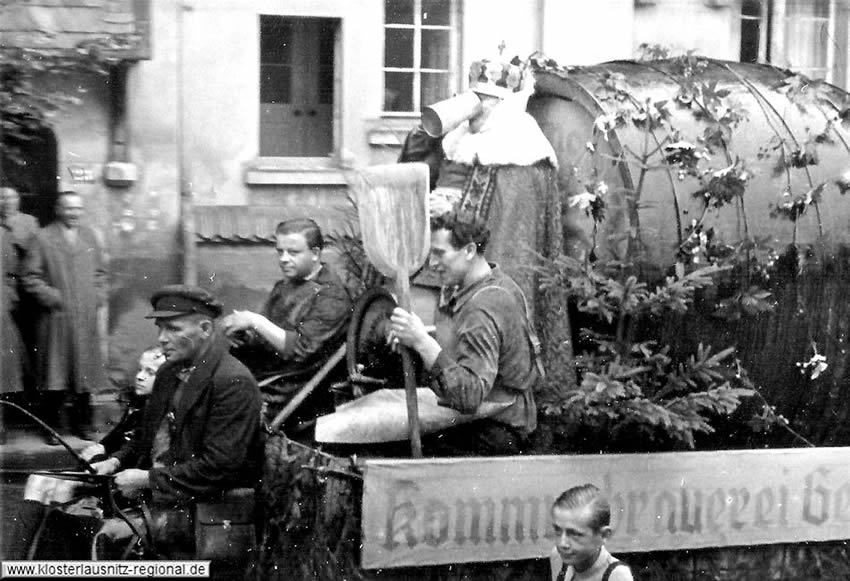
x=297 y=90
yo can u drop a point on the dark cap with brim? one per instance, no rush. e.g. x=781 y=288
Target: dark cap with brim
x=177 y=300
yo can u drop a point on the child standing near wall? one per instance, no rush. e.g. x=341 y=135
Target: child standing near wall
x=581 y=517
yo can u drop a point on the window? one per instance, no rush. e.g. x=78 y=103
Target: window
x=809 y=33
x=807 y=36
x=753 y=31
x=419 y=53
x=275 y=60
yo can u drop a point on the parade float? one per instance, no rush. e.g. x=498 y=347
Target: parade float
x=703 y=260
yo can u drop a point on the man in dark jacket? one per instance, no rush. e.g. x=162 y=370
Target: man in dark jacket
x=200 y=433
x=302 y=323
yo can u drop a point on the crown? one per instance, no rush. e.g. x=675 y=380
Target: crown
x=496 y=76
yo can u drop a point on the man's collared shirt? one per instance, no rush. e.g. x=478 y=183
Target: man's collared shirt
x=162 y=439
x=313 y=311
x=486 y=353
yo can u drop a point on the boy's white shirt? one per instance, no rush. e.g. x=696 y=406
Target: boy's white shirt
x=555 y=564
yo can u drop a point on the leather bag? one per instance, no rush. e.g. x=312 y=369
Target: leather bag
x=226 y=528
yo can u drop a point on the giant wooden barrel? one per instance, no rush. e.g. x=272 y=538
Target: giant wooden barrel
x=791 y=135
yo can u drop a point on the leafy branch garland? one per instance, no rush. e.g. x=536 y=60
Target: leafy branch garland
x=628 y=382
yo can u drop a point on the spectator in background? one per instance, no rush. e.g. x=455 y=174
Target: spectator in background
x=302 y=323
x=20 y=230
x=11 y=381
x=581 y=518
x=67 y=277
x=21 y=227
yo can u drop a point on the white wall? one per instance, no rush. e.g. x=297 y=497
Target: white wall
x=486 y=23
x=584 y=32
x=221 y=76
x=220 y=83
x=682 y=25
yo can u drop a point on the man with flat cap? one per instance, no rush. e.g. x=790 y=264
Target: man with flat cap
x=200 y=433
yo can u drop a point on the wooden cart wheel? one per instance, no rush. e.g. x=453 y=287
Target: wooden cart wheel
x=370 y=361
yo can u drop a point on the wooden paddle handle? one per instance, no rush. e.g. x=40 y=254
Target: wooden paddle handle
x=402 y=283
x=307 y=389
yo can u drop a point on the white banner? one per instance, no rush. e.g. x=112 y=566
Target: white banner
x=434 y=511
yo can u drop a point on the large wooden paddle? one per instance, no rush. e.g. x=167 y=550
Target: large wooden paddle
x=392 y=202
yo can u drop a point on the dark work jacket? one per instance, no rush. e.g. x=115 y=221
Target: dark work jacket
x=314 y=313
x=486 y=351
x=215 y=439
x=125 y=430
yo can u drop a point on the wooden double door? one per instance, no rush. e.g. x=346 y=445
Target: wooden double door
x=297 y=57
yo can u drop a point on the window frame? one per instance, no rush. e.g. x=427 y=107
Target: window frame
x=764 y=20
x=780 y=46
x=266 y=169
x=417 y=27
x=774 y=20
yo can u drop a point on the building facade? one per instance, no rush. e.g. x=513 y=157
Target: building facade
x=231 y=115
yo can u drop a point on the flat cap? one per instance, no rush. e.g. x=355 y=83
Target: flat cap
x=176 y=300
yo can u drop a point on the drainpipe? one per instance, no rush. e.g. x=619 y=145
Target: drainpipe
x=187 y=215
x=2 y=267
x=119 y=172
x=2 y=290
x=118 y=111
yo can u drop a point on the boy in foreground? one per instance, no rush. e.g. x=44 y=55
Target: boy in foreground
x=581 y=518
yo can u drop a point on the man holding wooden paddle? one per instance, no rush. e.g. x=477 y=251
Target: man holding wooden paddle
x=484 y=350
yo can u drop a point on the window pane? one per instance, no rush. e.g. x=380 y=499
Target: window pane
x=436 y=12
x=435 y=49
x=751 y=8
x=810 y=8
x=326 y=62
x=275 y=40
x=326 y=85
x=398 y=48
x=435 y=87
x=398 y=11
x=821 y=8
x=327 y=33
x=275 y=83
x=398 y=91
x=750 y=34
x=807 y=43
x=750 y=30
